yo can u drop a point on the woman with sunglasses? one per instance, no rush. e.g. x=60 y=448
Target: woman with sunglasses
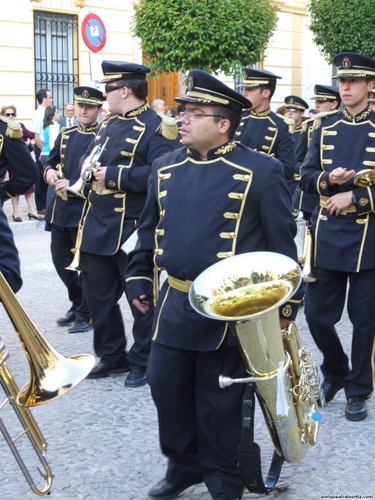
x=10 y=112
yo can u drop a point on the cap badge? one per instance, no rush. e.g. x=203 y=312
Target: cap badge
x=315 y=90
x=190 y=84
x=291 y=100
x=85 y=94
x=346 y=63
x=244 y=74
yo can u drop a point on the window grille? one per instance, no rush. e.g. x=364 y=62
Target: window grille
x=56 y=55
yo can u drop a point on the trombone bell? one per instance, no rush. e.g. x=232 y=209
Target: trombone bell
x=51 y=374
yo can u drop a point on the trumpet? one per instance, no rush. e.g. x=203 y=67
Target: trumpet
x=89 y=166
x=51 y=376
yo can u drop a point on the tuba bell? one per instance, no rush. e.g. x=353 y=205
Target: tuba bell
x=51 y=376
x=246 y=291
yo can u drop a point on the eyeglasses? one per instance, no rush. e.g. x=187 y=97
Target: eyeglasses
x=111 y=88
x=10 y=114
x=191 y=116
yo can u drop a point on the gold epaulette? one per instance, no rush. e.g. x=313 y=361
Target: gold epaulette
x=14 y=130
x=319 y=117
x=168 y=127
x=291 y=123
x=305 y=124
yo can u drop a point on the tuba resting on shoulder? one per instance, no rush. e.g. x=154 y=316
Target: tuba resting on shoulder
x=246 y=291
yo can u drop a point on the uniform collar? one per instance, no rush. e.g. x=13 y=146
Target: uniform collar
x=137 y=111
x=224 y=149
x=360 y=117
x=88 y=129
x=261 y=113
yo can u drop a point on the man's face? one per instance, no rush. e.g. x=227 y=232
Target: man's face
x=255 y=96
x=294 y=114
x=324 y=106
x=87 y=114
x=113 y=93
x=354 y=91
x=69 y=111
x=199 y=131
x=48 y=101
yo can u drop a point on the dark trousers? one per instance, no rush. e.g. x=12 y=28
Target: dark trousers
x=63 y=240
x=40 y=185
x=199 y=423
x=103 y=286
x=324 y=303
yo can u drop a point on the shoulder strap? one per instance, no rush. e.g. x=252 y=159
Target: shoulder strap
x=249 y=452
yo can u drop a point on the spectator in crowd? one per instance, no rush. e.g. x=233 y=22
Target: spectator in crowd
x=14 y=155
x=158 y=105
x=10 y=112
x=44 y=98
x=69 y=119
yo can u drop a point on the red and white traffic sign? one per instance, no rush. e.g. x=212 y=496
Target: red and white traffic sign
x=93 y=32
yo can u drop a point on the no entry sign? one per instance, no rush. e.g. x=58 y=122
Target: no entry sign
x=93 y=32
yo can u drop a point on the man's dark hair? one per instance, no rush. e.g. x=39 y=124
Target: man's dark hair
x=138 y=87
x=41 y=94
x=271 y=88
x=228 y=114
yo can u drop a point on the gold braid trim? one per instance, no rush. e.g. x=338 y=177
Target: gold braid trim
x=227 y=148
x=358 y=118
x=319 y=117
x=138 y=111
x=261 y=114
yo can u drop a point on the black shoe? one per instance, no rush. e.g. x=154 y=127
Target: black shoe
x=356 y=409
x=330 y=389
x=136 y=377
x=165 y=490
x=36 y=217
x=225 y=497
x=67 y=319
x=16 y=219
x=80 y=326
x=105 y=368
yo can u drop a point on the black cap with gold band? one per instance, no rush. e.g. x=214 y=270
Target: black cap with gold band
x=89 y=95
x=117 y=70
x=205 y=89
x=295 y=102
x=372 y=96
x=353 y=65
x=326 y=93
x=257 y=77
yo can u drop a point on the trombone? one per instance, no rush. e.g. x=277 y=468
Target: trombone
x=51 y=376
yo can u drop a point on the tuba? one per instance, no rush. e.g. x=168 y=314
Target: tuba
x=51 y=376
x=246 y=291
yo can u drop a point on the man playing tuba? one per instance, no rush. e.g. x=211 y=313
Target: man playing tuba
x=209 y=200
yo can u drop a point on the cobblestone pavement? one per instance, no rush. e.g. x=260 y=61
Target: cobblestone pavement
x=103 y=438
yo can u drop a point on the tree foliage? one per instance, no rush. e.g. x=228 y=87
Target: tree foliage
x=343 y=25
x=213 y=35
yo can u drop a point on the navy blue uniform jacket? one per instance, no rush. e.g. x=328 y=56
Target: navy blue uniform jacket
x=269 y=133
x=69 y=146
x=345 y=242
x=197 y=213
x=135 y=141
